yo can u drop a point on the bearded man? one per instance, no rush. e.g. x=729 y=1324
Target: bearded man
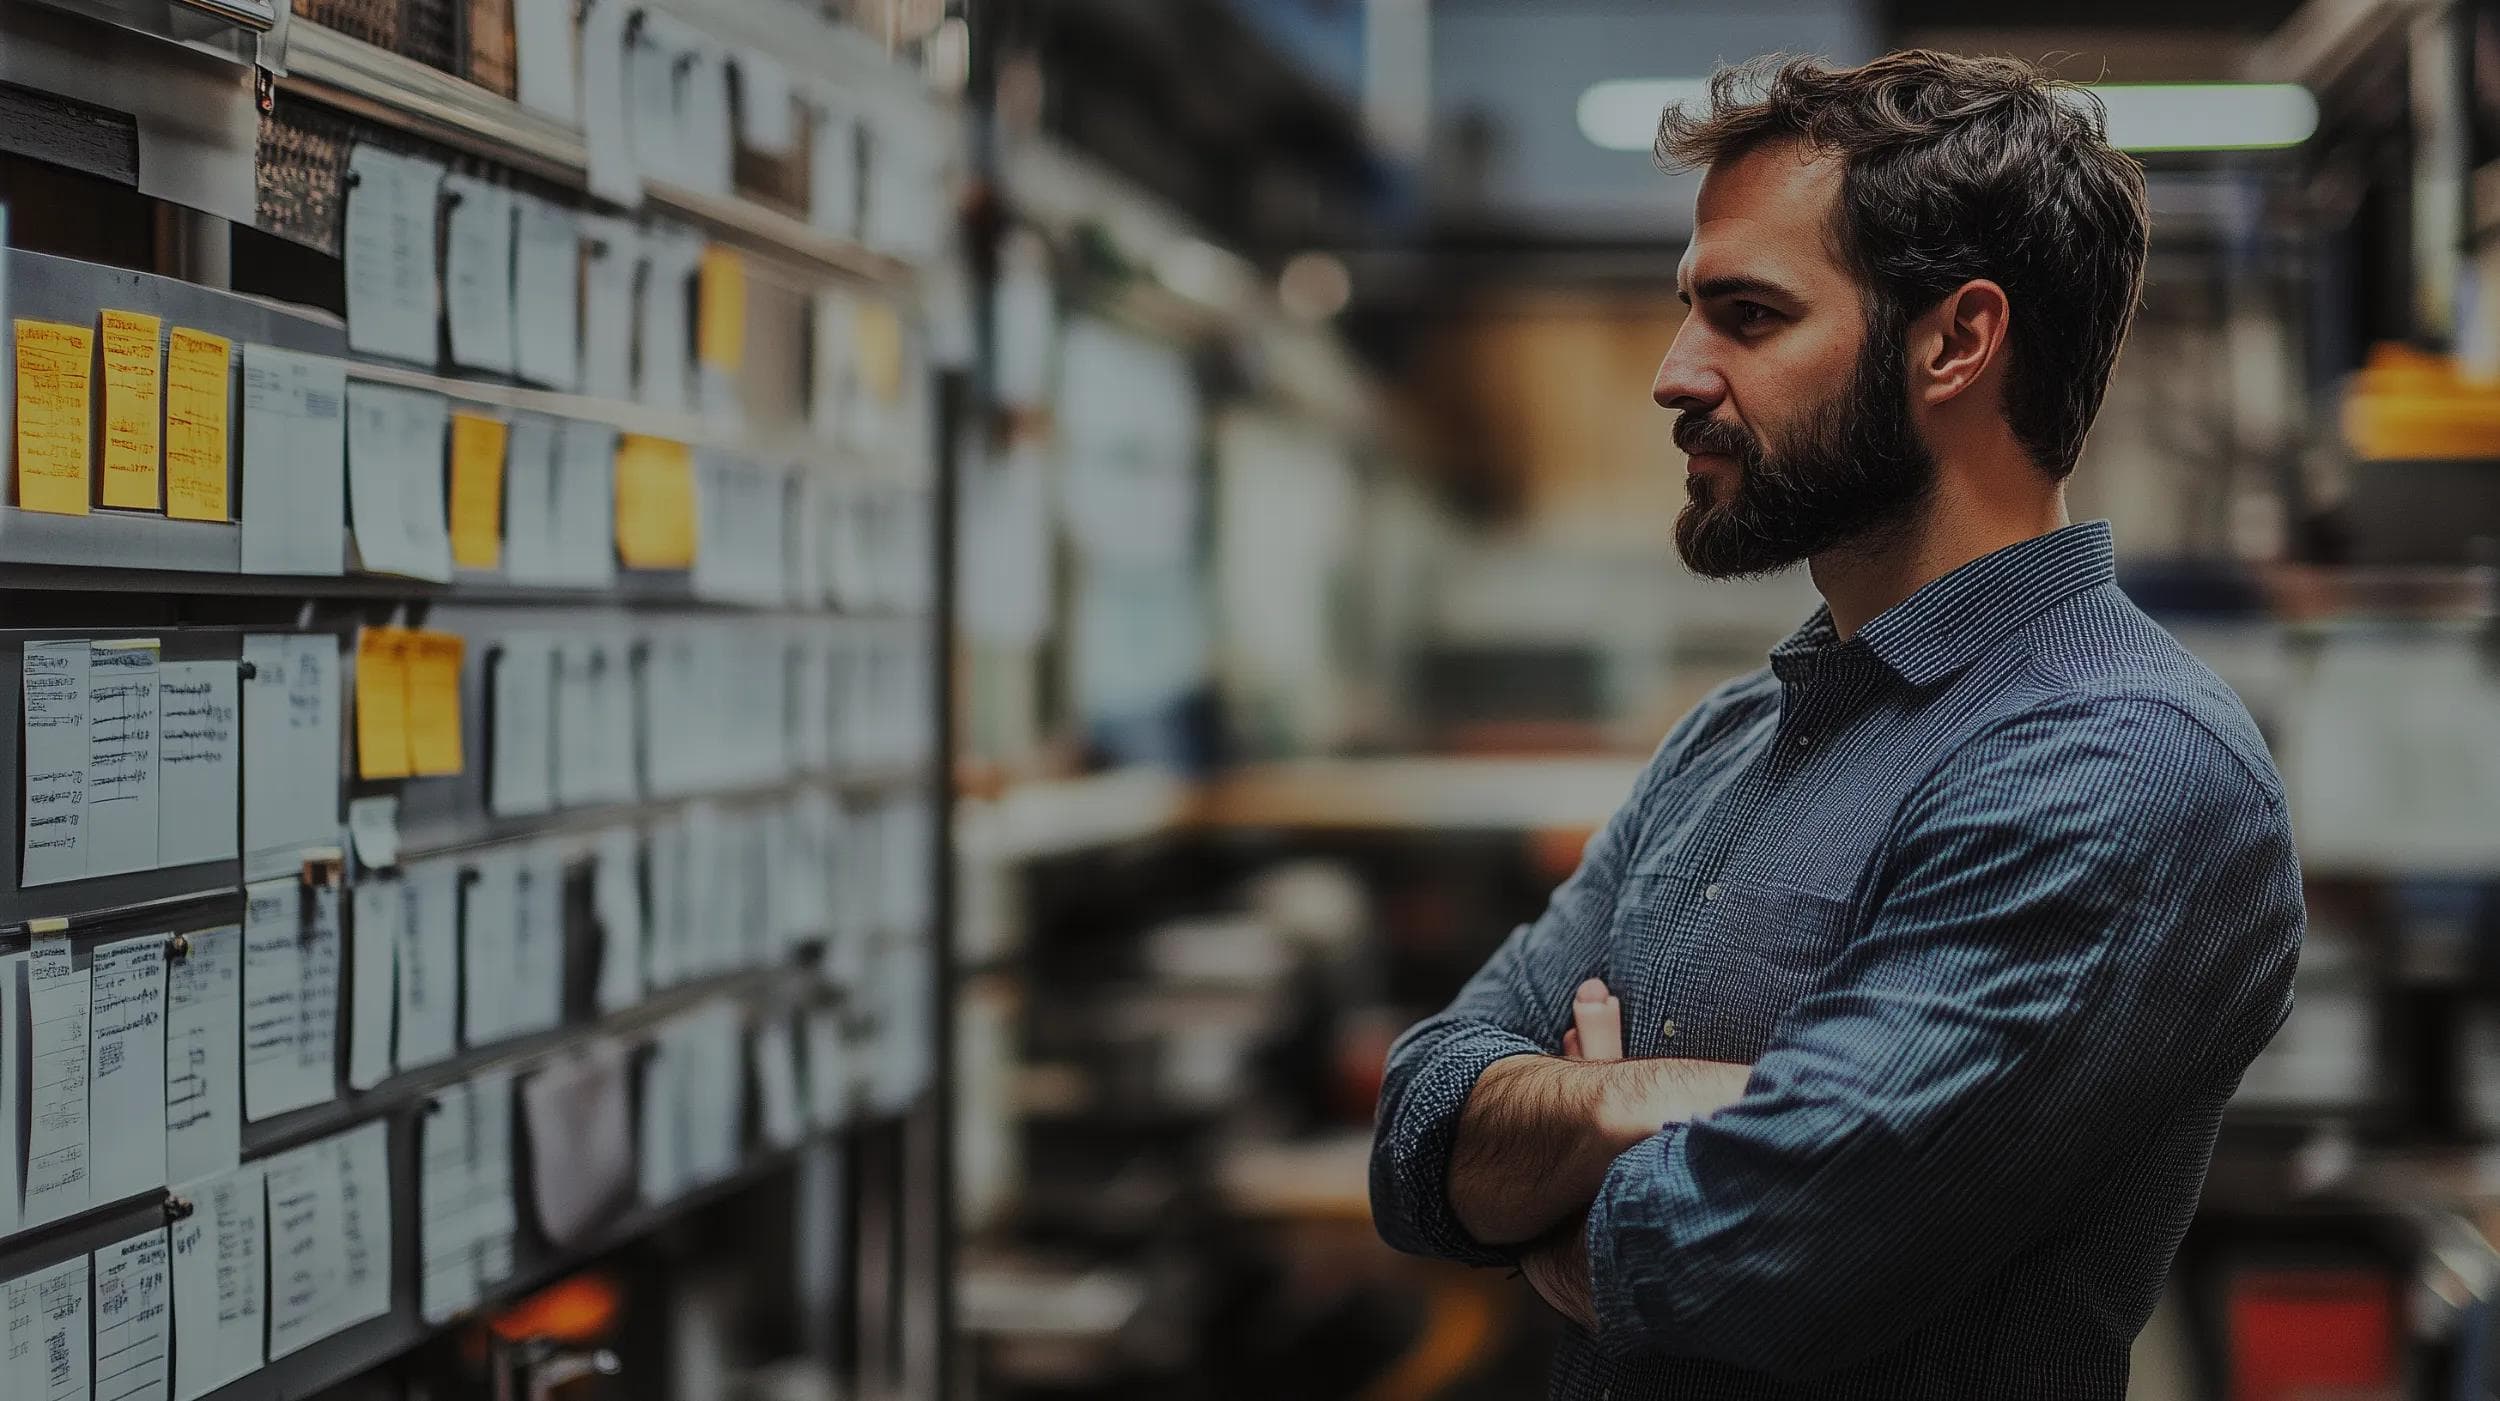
x=1878 y=1045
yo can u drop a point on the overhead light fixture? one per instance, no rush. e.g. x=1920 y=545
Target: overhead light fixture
x=2207 y=116
x=1621 y=114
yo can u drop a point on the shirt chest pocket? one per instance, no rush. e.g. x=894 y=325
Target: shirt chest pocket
x=1764 y=946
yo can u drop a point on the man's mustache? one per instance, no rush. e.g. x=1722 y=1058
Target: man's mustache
x=1697 y=433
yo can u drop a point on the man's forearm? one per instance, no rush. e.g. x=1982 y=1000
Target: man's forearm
x=1538 y=1134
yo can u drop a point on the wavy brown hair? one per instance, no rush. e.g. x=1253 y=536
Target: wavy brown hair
x=1958 y=168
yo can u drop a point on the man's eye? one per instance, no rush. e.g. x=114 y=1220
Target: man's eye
x=1753 y=315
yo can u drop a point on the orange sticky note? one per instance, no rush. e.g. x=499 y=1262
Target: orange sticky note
x=654 y=503
x=53 y=363
x=434 y=702
x=721 y=335
x=198 y=405
x=134 y=410
x=477 y=448
x=382 y=703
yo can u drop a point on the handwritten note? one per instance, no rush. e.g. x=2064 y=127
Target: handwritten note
x=389 y=248
x=477 y=274
x=382 y=703
x=50 y=1334
x=586 y=503
x=611 y=261
x=199 y=764
x=294 y=462
x=121 y=826
x=477 y=455
x=616 y=903
x=134 y=410
x=664 y=341
x=465 y=1195
x=56 y=762
x=606 y=125
x=219 y=1282
x=291 y=708
x=721 y=336
x=53 y=369
x=57 y=1175
x=490 y=916
x=395 y=444
x=375 y=988
x=290 y=996
x=13 y=1038
x=543 y=49
x=447 y=1279
x=434 y=740
x=429 y=964
x=329 y=1237
x=133 y=1319
x=655 y=508
x=203 y=1056
x=535 y=999
x=364 y=1224
x=521 y=716
x=547 y=287
x=126 y=1067
x=199 y=399
x=530 y=509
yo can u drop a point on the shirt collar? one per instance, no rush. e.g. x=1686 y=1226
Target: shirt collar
x=1946 y=625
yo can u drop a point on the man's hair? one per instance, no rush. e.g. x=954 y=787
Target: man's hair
x=1959 y=168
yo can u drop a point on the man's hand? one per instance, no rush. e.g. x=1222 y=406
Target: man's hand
x=1559 y=1269
x=1539 y=1132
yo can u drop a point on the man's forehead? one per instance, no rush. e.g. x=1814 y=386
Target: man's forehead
x=1769 y=210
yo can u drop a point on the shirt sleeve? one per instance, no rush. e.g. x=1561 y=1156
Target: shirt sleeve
x=2088 y=915
x=1518 y=1003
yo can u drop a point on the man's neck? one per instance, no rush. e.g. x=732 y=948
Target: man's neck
x=1859 y=585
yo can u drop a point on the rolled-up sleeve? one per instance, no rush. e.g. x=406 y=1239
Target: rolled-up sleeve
x=2084 y=916
x=1519 y=1003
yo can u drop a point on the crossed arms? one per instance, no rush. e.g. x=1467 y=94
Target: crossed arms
x=2088 y=917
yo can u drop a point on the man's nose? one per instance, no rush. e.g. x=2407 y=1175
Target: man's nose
x=1684 y=382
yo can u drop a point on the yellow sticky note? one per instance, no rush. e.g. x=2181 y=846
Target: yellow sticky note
x=721 y=335
x=382 y=703
x=477 y=447
x=134 y=410
x=53 y=363
x=197 y=403
x=654 y=503
x=877 y=337
x=434 y=702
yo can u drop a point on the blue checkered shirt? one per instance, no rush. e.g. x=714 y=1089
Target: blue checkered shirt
x=1998 y=899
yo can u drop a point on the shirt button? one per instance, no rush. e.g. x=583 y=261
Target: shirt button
x=1710 y=892
x=1804 y=740
x=1668 y=1031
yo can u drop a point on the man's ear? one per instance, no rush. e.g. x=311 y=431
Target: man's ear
x=1958 y=341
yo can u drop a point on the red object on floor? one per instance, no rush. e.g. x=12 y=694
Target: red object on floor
x=2308 y=1335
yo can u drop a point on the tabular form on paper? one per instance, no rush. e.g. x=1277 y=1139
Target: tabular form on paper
x=126 y=1068
x=133 y=1317
x=203 y=1057
x=219 y=1279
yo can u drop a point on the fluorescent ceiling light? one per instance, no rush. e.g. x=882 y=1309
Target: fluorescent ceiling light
x=2207 y=116
x=1621 y=114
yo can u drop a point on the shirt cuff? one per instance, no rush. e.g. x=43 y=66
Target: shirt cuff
x=1630 y=1248
x=1425 y=1134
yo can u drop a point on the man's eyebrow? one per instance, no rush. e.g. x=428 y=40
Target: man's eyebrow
x=1735 y=286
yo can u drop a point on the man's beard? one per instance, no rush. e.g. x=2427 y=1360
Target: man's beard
x=1854 y=473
